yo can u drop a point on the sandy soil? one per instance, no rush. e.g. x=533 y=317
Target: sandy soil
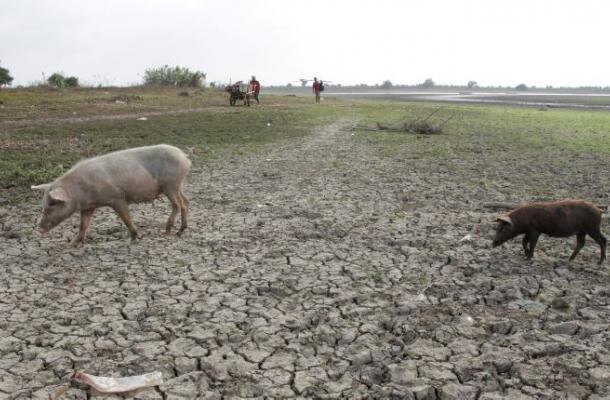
x=315 y=269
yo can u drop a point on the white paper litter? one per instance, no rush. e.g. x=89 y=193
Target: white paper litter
x=106 y=384
x=142 y=119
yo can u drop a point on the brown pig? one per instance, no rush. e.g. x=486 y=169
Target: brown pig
x=115 y=180
x=556 y=219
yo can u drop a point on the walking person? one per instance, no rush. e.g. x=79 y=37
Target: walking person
x=255 y=87
x=317 y=88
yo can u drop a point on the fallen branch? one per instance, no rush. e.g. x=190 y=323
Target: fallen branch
x=419 y=129
x=428 y=117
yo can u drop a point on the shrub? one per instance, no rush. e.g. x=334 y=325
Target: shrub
x=57 y=80
x=174 y=76
x=71 y=81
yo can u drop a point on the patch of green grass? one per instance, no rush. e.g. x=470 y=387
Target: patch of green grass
x=39 y=151
x=578 y=130
x=377 y=277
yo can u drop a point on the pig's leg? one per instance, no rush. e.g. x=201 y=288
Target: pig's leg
x=533 y=236
x=183 y=212
x=580 y=242
x=601 y=240
x=85 y=220
x=176 y=201
x=123 y=212
x=525 y=242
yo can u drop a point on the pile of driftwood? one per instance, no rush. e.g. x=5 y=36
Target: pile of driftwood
x=419 y=126
x=423 y=128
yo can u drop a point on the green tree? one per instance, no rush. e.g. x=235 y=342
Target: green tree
x=521 y=86
x=428 y=83
x=472 y=84
x=387 y=84
x=5 y=77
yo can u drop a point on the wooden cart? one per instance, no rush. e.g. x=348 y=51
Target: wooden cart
x=239 y=91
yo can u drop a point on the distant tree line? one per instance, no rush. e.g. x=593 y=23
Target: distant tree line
x=429 y=83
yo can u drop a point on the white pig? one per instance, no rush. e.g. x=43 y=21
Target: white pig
x=116 y=180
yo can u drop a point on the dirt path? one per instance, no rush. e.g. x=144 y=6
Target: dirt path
x=317 y=268
x=105 y=117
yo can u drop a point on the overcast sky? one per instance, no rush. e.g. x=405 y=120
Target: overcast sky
x=492 y=42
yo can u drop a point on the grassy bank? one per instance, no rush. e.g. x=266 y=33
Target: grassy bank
x=44 y=132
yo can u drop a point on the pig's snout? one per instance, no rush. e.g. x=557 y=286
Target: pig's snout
x=43 y=226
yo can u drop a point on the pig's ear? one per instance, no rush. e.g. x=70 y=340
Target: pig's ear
x=58 y=194
x=505 y=218
x=44 y=186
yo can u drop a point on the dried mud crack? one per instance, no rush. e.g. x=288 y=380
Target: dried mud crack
x=318 y=268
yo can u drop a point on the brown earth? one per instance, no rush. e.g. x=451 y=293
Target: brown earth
x=318 y=268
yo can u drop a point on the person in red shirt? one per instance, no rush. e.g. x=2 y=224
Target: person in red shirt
x=316 y=89
x=255 y=87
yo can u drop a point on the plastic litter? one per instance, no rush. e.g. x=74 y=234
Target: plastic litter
x=106 y=384
x=142 y=119
x=466 y=238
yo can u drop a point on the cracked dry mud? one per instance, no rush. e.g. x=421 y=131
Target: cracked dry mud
x=317 y=268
